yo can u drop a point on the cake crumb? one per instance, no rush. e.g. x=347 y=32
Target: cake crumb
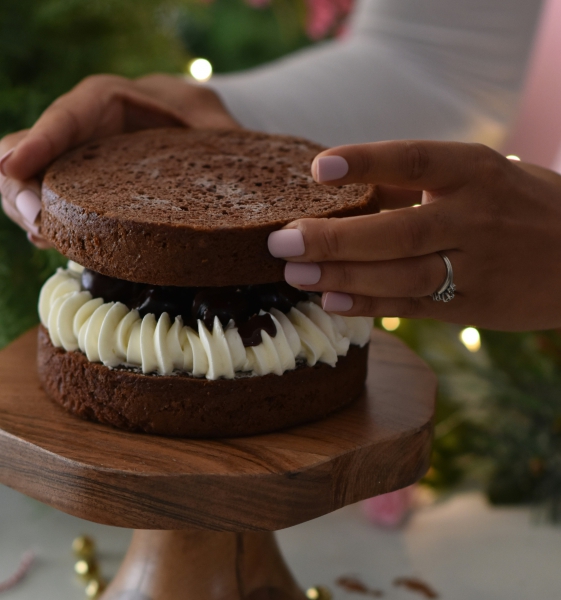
x=415 y=585
x=353 y=584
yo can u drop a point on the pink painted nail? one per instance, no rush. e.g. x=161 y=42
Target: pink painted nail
x=286 y=243
x=4 y=159
x=329 y=168
x=29 y=206
x=33 y=238
x=336 y=302
x=34 y=229
x=302 y=273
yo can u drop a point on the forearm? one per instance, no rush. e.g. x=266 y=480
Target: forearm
x=439 y=69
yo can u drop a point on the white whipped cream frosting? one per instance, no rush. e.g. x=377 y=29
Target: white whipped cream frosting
x=111 y=333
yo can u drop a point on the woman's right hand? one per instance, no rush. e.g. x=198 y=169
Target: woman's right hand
x=99 y=106
x=498 y=222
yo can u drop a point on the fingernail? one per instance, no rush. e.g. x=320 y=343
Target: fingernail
x=336 y=302
x=33 y=238
x=34 y=229
x=329 y=168
x=302 y=273
x=286 y=243
x=28 y=205
x=4 y=159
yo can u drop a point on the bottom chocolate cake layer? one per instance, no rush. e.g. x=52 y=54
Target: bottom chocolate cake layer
x=180 y=405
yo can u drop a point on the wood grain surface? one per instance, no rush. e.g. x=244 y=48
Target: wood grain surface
x=262 y=483
x=203 y=565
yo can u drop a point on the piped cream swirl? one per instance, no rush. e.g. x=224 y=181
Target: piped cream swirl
x=113 y=334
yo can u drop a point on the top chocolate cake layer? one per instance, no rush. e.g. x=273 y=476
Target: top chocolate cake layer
x=187 y=207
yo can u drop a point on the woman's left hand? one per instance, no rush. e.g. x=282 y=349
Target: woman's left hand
x=498 y=222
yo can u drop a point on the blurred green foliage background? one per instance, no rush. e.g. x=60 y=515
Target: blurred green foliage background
x=48 y=46
x=499 y=411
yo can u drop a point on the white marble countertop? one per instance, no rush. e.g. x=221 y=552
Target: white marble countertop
x=460 y=546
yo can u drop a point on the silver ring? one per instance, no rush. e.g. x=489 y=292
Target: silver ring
x=447 y=289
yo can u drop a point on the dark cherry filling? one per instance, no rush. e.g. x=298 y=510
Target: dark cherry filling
x=250 y=331
x=160 y=299
x=225 y=303
x=241 y=304
x=109 y=288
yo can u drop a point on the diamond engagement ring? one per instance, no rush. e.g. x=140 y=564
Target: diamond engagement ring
x=447 y=289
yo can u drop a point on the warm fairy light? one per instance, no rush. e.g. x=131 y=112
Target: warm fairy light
x=319 y=592
x=390 y=323
x=200 y=69
x=513 y=157
x=94 y=588
x=82 y=567
x=471 y=339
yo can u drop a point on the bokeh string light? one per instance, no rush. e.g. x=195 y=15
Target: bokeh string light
x=391 y=323
x=471 y=339
x=200 y=69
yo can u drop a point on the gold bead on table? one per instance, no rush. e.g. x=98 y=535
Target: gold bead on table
x=95 y=588
x=319 y=592
x=83 y=546
x=86 y=569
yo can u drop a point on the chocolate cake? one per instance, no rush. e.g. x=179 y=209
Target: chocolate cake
x=172 y=318
x=196 y=407
x=187 y=207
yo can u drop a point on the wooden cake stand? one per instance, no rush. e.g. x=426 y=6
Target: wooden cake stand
x=204 y=511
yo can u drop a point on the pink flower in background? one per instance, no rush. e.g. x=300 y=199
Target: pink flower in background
x=345 y=6
x=325 y=15
x=342 y=31
x=322 y=16
x=258 y=3
x=390 y=510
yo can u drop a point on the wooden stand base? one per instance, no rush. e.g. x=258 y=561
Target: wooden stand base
x=204 y=510
x=203 y=565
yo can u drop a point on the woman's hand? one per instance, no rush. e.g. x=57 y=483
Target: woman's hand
x=498 y=221
x=99 y=106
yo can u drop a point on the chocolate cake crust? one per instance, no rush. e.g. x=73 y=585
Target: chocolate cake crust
x=184 y=406
x=187 y=207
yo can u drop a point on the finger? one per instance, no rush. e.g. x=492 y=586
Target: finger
x=405 y=308
x=540 y=172
x=205 y=110
x=401 y=233
x=163 y=87
x=20 y=199
x=200 y=105
x=409 y=277
x=69 y=120
x=21 y=202
x=25 y=209
x=94 y=108
x=7 y=146
x=391 y=197
x=39 y=242
x=417 y=165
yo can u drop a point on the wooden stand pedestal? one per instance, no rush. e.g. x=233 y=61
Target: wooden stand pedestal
x=204 y=509
x=181 y=565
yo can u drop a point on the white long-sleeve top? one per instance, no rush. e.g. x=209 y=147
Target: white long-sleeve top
x=417 y=69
